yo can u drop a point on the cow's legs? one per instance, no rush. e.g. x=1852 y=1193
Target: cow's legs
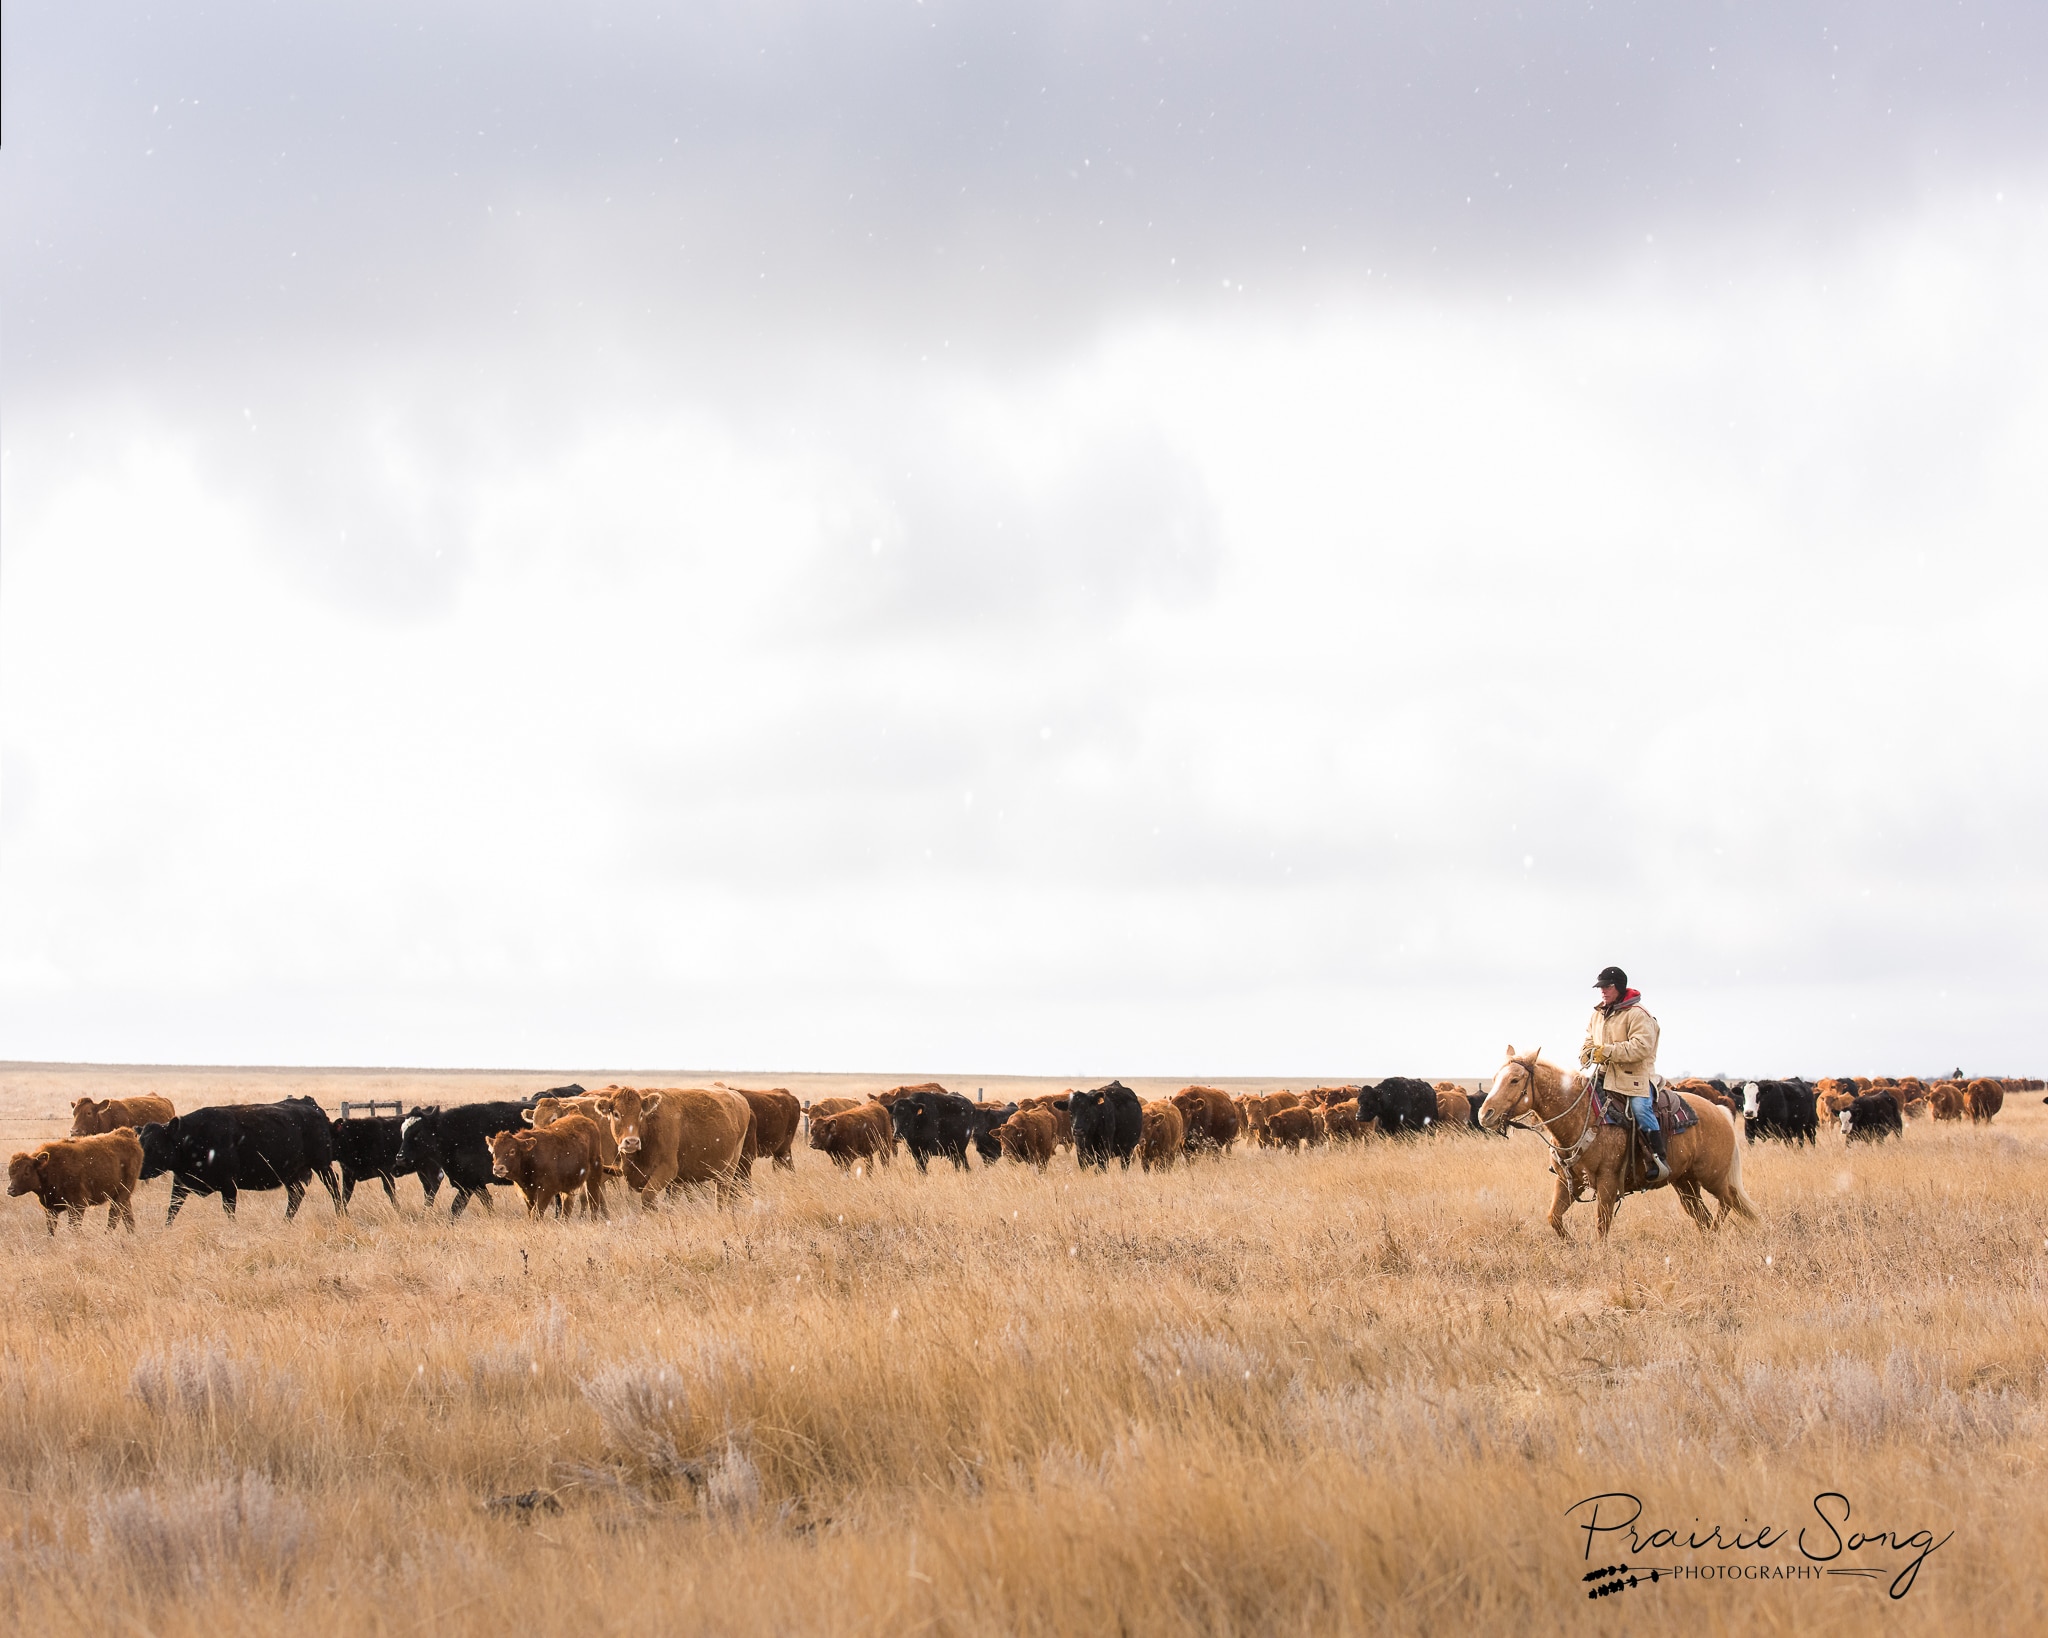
x=326 y=1176
x=348 y=1187
x=294 y=1193
x=430 y=1186
x=50 y=1215
x=178 y=1193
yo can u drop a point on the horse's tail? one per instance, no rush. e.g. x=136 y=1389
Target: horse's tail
x=1735 y=1197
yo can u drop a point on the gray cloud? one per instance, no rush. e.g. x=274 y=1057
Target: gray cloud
x=387 y=174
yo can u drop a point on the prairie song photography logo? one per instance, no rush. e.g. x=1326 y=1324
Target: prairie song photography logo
x=1832 y=1542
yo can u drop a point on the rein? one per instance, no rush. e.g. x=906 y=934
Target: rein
x=1561 y=1156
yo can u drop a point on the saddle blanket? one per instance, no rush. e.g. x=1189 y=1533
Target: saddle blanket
x=1673 y=1113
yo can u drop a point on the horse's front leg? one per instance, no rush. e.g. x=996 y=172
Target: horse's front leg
x=1606 y=1196
x=1561 y=1201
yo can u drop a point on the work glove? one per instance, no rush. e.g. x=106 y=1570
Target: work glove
x=1599 y=1053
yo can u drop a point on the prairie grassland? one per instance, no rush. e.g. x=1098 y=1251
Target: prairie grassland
x=1349 y=1391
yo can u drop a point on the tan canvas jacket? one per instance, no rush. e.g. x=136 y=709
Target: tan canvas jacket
x=1630 y=1037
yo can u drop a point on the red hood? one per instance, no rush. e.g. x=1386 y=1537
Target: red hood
x=1629 y=998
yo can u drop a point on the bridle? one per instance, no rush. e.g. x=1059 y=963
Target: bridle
x=1562 y=1156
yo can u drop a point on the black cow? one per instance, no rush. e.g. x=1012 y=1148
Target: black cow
x=367 y=1147
x=934 y=1123
x=1478 y=1102
x=1107 y=1121
x=1787 y=1110
x=457 y=1143
x=229 y=1147
x=987 y=1117
x=1399 y=1104
x=1872 y=1118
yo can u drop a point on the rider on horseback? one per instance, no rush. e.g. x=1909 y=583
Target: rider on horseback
x=1622 y=1039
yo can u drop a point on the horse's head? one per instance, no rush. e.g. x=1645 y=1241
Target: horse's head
x=1513 y=1092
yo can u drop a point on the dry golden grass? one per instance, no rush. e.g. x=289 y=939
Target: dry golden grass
x=1349 y=1391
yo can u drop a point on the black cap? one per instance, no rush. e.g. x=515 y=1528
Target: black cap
x=1611 y=975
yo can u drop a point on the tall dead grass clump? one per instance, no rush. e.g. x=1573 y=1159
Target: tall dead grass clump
x=244 y=1529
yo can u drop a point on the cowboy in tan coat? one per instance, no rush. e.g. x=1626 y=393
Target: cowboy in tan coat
x=1622 y=1040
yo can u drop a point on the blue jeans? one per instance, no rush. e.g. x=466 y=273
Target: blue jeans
x=1640 y=1108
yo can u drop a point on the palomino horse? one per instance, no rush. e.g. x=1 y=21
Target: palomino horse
x=1585 y=1154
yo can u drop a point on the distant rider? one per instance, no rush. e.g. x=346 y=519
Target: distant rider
x=1622 y=1039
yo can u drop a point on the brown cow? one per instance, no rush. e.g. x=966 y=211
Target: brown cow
x=1030 y=1135
x=1713 y=1094
x=1062 y=1116
x=69 y=1174
x=1162 y=1135
x=674 y=1137
x=1342 y=1120
x=111 y=1114
x=546 y=1111
x=1258 y=1111
x=552 y=1162
x=864 y=1132
x=777 y=1115
x=1453 y=1109
x=830 y=1106
x=1982 y=1099
x=1291 y=1128
x=1945 y=1100
x=895 y=1092
x=1210 y=1117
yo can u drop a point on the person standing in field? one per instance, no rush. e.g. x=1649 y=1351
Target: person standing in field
x=1622 y=1040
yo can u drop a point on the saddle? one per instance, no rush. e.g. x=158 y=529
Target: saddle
x=1673 y=1113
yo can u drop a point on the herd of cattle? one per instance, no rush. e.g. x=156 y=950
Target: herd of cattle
x=1863 y=1108
x=565 y=1143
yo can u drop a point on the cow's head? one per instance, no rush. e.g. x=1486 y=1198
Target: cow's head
x=159 y=1146
x=1751 y=1092
x=505 y=1148
x=419 y=1139
x=25 y=1174
x=629 y=1111
x=85 y=1117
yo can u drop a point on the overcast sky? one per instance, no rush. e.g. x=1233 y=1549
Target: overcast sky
x=1108 y=539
